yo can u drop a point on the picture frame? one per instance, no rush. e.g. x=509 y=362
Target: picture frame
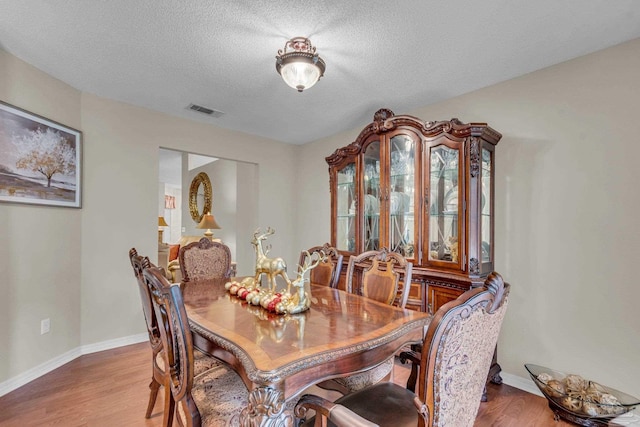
x=40 y=160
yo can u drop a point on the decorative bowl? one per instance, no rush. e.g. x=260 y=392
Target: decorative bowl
x=577 y=399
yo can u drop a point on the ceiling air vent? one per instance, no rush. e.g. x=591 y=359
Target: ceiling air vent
x=205 y=110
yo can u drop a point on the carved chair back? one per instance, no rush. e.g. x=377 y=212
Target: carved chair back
x=328 y=271
x=176 y=339
x=139 y=263
x=457 y=353
x=205 y=259
x=377 y=274
x=159 y=373
x=455 y=361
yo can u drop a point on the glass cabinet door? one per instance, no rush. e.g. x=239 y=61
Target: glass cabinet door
x=486 y=223
x=445 y=198
x=401 y=195
x=346 y=208
x=371 y=197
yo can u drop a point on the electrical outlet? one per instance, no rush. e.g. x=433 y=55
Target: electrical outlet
x=45 y=326
x=184 y=229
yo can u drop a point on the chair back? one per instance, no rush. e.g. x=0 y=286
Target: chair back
x=177 y=341
x=204 y=260
x=376 y=275
x=328 y=271
x=457 y=353
x=139 y=264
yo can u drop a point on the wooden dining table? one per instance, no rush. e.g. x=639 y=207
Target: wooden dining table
x=279 y=356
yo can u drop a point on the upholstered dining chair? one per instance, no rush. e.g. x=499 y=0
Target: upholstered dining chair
x=456 y=357
x=205 y=259
x=328 y=271
x=215 y=397
x=375 y=275
x=159 y=374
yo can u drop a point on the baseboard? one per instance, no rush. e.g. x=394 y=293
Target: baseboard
x=114 y=343
x=36 y=372
x=525 y=384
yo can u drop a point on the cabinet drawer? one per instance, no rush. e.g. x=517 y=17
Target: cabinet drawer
x=439 y=296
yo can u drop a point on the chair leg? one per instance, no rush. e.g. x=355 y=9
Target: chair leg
x=169 y=407
x=413 y=377
x=154 y=386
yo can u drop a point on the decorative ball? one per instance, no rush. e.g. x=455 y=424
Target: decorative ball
x=556 y=388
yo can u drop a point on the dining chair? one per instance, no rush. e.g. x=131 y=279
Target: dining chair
x=139 y=263
x=205 y=259
x=375 y=275
x=212 y=398
x=159 y=375
x=328 y=271
x=456 y=357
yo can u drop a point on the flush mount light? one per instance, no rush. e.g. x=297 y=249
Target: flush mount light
x=299 y=64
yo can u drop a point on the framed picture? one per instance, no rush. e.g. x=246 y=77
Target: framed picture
x=40 y=160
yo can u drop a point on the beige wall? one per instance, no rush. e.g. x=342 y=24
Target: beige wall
x=121 y=163
x=71 y=265
x=567 y=203
x=567 y=235
x=40 y=246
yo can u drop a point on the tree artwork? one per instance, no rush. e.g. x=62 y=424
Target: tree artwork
x=46 y=152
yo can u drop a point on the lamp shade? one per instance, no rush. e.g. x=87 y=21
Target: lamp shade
x=209 y=222
x=162 y=222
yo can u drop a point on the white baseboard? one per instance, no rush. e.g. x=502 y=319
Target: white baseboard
x=114 y=343
x=525 y=384
x=48 y=366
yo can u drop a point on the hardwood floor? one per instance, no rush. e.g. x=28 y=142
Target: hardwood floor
x=110 y=388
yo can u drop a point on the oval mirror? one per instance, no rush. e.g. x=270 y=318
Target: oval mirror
x=200 y=197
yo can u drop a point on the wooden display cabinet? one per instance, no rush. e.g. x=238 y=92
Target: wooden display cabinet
x=423 y=189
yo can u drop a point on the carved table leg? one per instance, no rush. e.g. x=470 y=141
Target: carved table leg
x=266 y=408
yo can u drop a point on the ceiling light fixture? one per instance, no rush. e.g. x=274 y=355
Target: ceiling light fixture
x=299 y=64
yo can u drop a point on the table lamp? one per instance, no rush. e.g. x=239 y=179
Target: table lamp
x=208 y=222
x=161 y=223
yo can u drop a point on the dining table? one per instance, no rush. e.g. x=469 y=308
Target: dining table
x=278 y=356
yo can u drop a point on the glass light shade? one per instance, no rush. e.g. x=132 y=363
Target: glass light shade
x=300 y=75
x=299 y=64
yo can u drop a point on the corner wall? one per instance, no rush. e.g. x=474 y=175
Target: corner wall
x=73 y=267
x=567 y=235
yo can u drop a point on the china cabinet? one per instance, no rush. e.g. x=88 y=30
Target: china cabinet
x=423 y=189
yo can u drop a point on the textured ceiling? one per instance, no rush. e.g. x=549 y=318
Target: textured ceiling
x=166 y=54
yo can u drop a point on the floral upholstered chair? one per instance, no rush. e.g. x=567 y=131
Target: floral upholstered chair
x=215 y=397
x=160 y=376
x=205 y=259
x=455 y=361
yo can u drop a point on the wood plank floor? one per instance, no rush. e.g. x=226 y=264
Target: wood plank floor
x=110 y=388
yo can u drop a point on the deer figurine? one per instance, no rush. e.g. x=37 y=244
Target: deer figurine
x=300 y=301
x=272 y=267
